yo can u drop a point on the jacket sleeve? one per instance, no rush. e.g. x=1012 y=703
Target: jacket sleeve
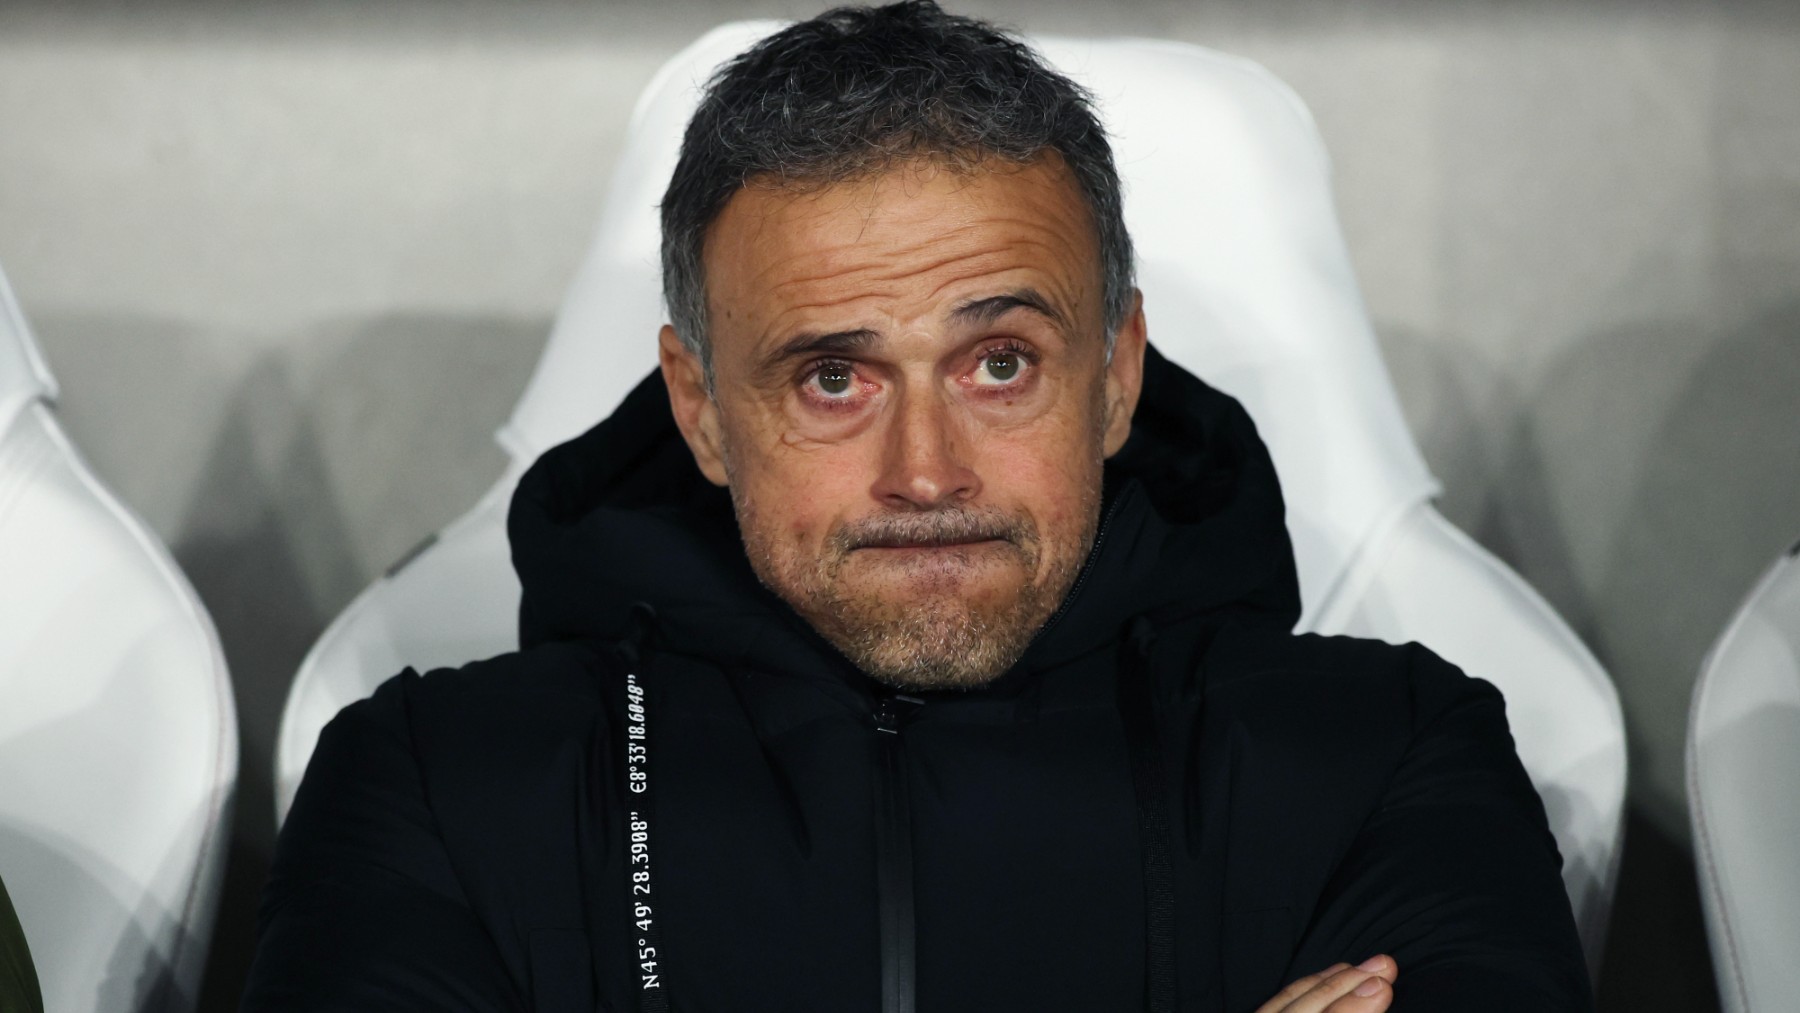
x=363 y=910
x=1455 y=873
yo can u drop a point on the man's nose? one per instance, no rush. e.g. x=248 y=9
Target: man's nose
x=924 y=462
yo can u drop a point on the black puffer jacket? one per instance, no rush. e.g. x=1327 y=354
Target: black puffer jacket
x=1172 y=803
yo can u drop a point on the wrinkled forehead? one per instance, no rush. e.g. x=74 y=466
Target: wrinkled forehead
x=906 y=240
x=874 y=180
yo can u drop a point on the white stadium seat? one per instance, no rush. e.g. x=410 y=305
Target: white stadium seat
x=1246 y=282
x=118 y=737
x=1743 y=767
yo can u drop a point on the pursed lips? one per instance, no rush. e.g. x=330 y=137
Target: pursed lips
x=932 y=543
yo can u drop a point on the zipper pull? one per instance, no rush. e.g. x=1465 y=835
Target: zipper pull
x=892 y=711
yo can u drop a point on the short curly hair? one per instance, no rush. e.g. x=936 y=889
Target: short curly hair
x=858 y=89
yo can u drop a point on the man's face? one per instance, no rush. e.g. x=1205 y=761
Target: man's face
x=912 y=402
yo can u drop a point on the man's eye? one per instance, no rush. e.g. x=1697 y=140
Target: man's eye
x=999 y=368
x=833 y=380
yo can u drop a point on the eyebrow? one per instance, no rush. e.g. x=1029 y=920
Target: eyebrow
x=988 y=309
x=980 y=311
x=808 y=344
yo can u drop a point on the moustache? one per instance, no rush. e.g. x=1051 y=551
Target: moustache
x=939 y=527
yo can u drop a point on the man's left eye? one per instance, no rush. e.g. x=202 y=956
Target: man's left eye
x=999 y=368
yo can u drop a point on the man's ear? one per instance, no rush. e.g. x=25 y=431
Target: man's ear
x=1125 y=375
x=696 y=413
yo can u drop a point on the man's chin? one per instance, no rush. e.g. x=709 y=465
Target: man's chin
x=925 y=639
x=923 y=657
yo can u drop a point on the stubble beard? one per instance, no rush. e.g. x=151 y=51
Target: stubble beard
x=933 y=637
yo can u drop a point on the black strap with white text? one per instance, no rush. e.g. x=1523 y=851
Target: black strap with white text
x=653 y=994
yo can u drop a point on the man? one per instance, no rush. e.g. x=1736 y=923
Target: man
x=916 y=638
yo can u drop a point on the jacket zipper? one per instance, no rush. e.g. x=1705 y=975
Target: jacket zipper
x=893 y=856
x=893 y=821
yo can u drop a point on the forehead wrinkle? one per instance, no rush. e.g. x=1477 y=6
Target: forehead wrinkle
x=990 y=221
x=870 y=274
x=1048 y=285
x=1038 y=266
x=892 y=268
x=1035 y=241
x=859 y=292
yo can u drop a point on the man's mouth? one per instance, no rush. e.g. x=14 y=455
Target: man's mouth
x=954 y=542
x=924 y=535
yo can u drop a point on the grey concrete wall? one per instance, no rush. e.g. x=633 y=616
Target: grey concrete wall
x=293 y=265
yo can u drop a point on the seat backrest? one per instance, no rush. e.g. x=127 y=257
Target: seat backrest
x=1743 y=767
x=118 y=738
x=1246 y=282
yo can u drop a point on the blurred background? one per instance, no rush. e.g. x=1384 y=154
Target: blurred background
x=293 y=263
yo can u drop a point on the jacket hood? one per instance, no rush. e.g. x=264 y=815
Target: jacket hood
x=1192 y=524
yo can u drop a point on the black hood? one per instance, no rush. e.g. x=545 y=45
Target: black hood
x=1192 y=524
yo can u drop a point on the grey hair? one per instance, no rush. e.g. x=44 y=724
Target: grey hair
x=858 y=90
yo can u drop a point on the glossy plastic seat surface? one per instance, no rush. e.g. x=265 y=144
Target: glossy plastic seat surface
x=118 y=737
x=1743 y=768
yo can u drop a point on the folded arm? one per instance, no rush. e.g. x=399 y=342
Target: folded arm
x=1456 y=874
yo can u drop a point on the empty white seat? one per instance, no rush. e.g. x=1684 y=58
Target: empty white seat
x=1246 y=282
x=1743 y=767
x=118 y=737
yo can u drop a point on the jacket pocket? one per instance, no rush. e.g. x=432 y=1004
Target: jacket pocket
x=562 y=972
